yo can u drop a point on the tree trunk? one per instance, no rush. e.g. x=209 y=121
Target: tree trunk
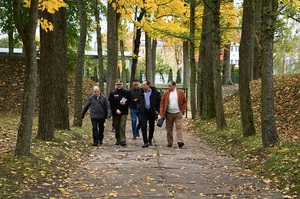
x=269 y=132
x=61 y=110
x=99 y=47
x=122 y=49
x=244 y=72
x=208 y=109
x=199 y=82
x=257 y=37
x=153 y=61
x=46 y=87
x=137 y=42
x=220 y=116
x=80 y=63
x=112 y=47
x=192 y=59
x=186 y=65
x=227 y=66
x=27 y=33
x=149 y=72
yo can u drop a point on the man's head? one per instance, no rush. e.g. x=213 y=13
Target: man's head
x=171 y=85
x=146 y=85
x=118 y=84
x=96 y=90
x=135 y=84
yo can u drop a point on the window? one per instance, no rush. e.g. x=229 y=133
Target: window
x=237 y=48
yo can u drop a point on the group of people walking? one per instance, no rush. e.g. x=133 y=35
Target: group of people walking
x=145 y=104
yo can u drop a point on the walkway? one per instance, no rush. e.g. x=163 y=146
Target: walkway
x=194 y=171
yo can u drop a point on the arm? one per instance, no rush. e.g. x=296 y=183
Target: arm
x=86 y=106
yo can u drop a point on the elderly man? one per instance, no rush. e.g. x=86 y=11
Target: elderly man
x=99 y=111
x=172 y=107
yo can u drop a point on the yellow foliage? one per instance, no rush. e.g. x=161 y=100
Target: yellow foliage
x=51 y=6
x=46 y=25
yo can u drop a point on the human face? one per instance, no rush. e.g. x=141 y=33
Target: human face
x=171 y=87
x=118 y=86
x=135 y=85
x=96 y=90
x=145 y=86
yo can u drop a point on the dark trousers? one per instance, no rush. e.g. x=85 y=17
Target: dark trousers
x=145 y=118
x=98 y=129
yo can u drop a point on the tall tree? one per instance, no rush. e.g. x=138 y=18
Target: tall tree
x=27 y=31
x=269 y=132
x=192 y=58
x=227 y=66
x=186 y=65
x=208 y=109
x=220 y=116
x=136 y=46
x=256 y=69
x=244 y=70
x=80 y=62
x=99 y=45
x=149 y=69
x=46 y=87
x=112 y=46
x=61 y=110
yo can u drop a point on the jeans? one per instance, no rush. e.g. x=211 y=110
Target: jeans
x=135 y=116
x=98 y=129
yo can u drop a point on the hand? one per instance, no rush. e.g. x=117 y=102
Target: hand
x=118 y=112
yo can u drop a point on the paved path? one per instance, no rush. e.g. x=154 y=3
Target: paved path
x=159 y=172
x=194 y=171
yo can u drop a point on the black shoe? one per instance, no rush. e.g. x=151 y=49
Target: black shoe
x=145 y=145
x=100 y=142
x=150 y=143
x=95 y=144
x=169 y=145
x=134 y=137
x=123 y=143
x=117 y=143
x=180 y=144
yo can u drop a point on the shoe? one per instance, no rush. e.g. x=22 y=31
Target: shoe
x=123 y=143
x=117 y=143
x=95 y=144
x=150 y=143
x=145 y=145
x=180 y=144
x=169 y=145
x=100 y=142
x=134 y=137
x=138 y=134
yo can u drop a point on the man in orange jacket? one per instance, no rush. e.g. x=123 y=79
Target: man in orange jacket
x=172 y=107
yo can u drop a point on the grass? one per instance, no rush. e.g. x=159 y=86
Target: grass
x=49 y=160
x=279 y=165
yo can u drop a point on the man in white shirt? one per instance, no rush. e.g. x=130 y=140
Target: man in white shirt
x=172 y=107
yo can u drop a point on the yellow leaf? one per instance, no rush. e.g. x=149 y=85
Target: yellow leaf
x=63 y=191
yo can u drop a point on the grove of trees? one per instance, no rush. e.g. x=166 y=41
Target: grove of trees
x=198 y=30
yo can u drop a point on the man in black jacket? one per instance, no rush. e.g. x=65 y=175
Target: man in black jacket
x=99 y=111
x=148 y=105
x=119 y=100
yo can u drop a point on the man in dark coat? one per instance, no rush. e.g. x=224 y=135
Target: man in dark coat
x=148 y=105
x=119 y=101
x=99 y=111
